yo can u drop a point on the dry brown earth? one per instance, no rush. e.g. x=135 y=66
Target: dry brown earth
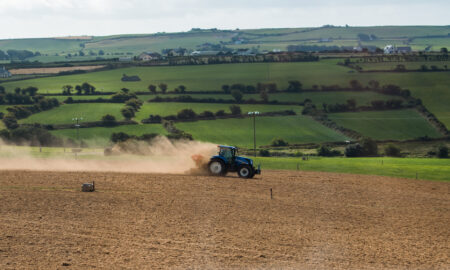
x=52 y=70
x=151 y=221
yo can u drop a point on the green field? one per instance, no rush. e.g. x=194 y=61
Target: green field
x=164 y=109
x=63 y=114
x=99 y=136
x=318 y=97
x=387 y=125
x=195 y=78
x=431 y=87
x=293 y=129
x=51 y=49
x=426 y=168
x=76 y=97
x=408 y=65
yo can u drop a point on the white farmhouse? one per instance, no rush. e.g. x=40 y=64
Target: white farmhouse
x=4 y=73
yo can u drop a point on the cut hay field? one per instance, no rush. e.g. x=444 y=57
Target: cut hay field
x=53 y=70
x=293 y=129
x=63 y=114
x=139 y=221
x=387 y=125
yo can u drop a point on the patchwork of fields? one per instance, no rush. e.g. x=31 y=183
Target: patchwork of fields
x=293 y=129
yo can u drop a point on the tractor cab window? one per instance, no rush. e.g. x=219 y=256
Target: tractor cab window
x=227 y=153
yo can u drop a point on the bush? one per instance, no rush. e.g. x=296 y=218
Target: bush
x=10 y=122
x=32 y=135
x=442 y=152
x=207 y=114
x=109 y=120
x=122 y=97
x=186 y=114
x=264 y=153
x=235 y=110
x=119 y=137
x=392 y=151
x=237 y=95
x=355 y=150
x=220 y=113
x=128 y=112
x=325 y=151
x=134 y=103
x=370 y=147
x=279 y=142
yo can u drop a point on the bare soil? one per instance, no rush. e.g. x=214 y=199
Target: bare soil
x=151 y=221
x=52 y=70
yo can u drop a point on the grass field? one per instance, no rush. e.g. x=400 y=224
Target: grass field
x=408 y=65
x=387 y=125
x=164 y=109
x=64 y=113
x=239 y=132
x=195 y=78
x=99 y=136
x=426 y=168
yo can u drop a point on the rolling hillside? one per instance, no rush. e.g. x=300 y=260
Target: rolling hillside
x=56 y=49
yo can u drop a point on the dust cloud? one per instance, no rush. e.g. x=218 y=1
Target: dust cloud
x=159 y=156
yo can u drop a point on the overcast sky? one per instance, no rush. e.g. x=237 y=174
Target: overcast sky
x=50 y=18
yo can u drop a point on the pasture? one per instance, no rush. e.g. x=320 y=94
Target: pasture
x=63 y=114
x=100 y=136
x=172 y=108
x=387 y=125
x=239 y=132
x=426 y=168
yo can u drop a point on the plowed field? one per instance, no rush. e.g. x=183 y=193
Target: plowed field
x=151 y=221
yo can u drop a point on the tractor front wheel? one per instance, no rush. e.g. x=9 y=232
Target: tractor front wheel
x=217 y=167
x=245 y=171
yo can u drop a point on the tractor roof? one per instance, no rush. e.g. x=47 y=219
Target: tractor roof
x=226 y=146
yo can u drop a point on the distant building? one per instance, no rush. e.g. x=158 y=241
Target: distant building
x=390 y=49
x=4 y=73
x=244 y=52
x=405 y=49
x=147 y=56
x=125 y=59
x=202 y=53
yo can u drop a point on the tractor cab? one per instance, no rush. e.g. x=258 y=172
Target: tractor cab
x=228 y=161
x=227 y=152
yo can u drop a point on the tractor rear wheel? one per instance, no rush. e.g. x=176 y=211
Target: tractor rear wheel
x=245 y=171
x=217 y=167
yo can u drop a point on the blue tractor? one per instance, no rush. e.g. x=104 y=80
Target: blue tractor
x=228 y=161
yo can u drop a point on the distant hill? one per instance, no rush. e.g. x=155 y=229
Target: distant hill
x=66 y=49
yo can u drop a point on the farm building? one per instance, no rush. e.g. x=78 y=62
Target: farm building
x=4 y=73
x=406 y=49
x=147 y=56
x=389 y=49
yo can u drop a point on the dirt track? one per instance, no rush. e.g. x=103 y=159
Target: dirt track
x=149 y=221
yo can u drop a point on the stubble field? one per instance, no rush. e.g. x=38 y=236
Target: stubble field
x=151 y=221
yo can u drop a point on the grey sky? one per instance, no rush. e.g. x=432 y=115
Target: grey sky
x=48 y=18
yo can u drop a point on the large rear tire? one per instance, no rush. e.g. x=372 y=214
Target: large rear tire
x=217 y=167
x=245 y=171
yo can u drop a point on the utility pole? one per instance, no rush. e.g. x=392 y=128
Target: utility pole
x=254 y=130
x=77 y=125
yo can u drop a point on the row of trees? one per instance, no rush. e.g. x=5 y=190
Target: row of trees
x=85 y=88
x=21 y=111
x=17 y=54
x=163 y=88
